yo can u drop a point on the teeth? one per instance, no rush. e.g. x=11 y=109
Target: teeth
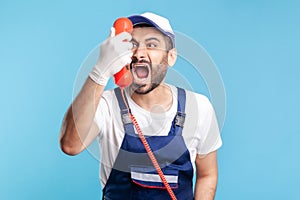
x=140 y=65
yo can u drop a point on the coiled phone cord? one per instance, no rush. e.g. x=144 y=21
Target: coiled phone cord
x=149 y=151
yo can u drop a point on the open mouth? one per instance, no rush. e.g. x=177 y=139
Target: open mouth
x=141 y=70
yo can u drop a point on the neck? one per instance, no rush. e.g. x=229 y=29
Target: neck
x=157 y=101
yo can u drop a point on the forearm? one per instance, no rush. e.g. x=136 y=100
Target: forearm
x=207 y=176
x=79 y=118
x=205 y=187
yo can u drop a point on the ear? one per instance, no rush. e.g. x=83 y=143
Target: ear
x=172 y=56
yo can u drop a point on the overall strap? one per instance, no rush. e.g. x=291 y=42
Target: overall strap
x=181 y=100
x=180 y=115
x=127 y=123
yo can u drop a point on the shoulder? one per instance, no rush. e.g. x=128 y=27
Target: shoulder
x=199 y=98
x=196 y=101
x=108 y=100
x=108 y=94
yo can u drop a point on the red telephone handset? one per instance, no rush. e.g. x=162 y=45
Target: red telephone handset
x=124 y=77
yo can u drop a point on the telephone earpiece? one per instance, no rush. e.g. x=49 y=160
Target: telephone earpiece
x=124 y=77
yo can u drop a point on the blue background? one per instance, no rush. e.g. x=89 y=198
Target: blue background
x=255 y=45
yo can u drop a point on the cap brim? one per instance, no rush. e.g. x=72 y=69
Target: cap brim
x=138 y=19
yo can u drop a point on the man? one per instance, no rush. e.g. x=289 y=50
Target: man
x=179 y=126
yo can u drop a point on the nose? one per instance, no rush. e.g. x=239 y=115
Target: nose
x=140 y=52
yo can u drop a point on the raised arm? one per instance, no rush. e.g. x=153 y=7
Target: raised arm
x=78 y=128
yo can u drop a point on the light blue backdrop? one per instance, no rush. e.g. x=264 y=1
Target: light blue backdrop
x=255 y=45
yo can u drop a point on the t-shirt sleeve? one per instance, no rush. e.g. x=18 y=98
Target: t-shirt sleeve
x=210 y=137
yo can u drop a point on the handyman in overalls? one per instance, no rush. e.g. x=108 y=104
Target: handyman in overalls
x=153 y=136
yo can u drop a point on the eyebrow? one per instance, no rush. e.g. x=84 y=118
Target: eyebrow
x=147 y=40
x=152 y=38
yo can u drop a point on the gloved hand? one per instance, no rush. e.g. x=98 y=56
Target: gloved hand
x=115 y=53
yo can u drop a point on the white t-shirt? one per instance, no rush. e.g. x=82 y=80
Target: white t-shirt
x=201 y=133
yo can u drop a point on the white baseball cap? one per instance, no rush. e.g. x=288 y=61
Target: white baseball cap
x=159 y=22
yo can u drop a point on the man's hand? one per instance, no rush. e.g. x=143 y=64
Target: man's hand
x=115 y=53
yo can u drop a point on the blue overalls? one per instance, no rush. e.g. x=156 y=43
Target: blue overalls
x=133 y=176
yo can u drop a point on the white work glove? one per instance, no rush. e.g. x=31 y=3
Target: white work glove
x=115 y=53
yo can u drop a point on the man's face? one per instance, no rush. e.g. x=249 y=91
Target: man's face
x=150 y=59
